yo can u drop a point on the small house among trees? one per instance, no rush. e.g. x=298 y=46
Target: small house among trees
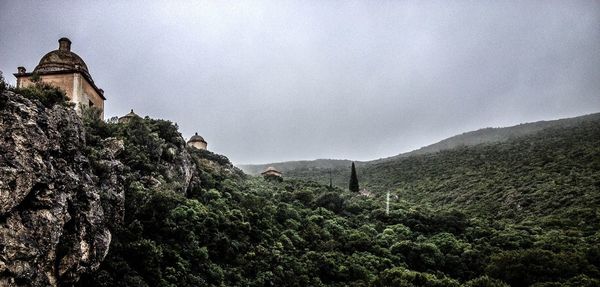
x=272 y=174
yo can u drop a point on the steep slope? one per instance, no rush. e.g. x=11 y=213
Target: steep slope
x=53 y=227
x=228 y=230
x=184 y=217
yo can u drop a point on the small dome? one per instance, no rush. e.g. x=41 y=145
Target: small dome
x=197 y=138
x=126 y=118
x=62 y=60
x=271 y=171
x=130 y=115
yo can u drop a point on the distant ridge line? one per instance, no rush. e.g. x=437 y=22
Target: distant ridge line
x=481 y=136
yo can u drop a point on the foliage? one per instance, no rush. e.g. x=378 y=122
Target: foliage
x=3 y=83
x=47 y=94
x=551 y=178
x=353 y=186
x=227 y=229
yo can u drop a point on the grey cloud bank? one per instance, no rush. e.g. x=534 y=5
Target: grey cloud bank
x=266 y=81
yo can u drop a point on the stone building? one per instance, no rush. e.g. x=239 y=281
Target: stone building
x=126 y=118
x=272 y=174
x=197 y=141
x=67 y=71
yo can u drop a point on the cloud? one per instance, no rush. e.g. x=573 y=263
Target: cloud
x=279 y=80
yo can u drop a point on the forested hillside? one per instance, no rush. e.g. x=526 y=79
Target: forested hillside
x=496 y=135
x=178 y=216
x=228 y=230
x=555 y=172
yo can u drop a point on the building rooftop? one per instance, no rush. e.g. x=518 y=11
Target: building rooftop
x=62 y=59
x=271 y=170
x=130 y=115
x=197 y=138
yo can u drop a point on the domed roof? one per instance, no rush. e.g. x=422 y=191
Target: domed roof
x=271 y=169
x=131 y=115
x=197 y=138
x=62 y=60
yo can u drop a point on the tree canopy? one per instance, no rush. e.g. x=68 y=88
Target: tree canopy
x=228 y=229
x=353 y=180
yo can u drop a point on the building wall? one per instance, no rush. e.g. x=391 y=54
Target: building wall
x=198 y=145
x=84 y=92
x=93 y=96
x=64 y=81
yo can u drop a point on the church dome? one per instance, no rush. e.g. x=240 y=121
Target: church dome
x=197 y=138
x=62 y=60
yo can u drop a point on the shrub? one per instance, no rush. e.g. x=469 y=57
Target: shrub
x=47 y=94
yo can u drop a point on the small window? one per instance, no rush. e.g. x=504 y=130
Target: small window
x=90 y=104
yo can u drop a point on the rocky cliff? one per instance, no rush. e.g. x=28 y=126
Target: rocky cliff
x=53 y=227
x=64 y=180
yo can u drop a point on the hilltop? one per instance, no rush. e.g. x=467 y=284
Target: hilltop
x=481 y=136
x=497 y=135
x=550 y=173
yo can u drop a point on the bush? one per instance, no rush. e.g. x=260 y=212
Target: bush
x=3 y=84
x=485 y=281
x=47 y=94
x=525 y=267
x=402 y=277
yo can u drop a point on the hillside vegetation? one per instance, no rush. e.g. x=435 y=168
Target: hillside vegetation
x=497 y=135
x=229 y=230
x=187 y=217
x=554 y=173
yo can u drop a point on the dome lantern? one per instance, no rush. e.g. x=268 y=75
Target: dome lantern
x=64 y=44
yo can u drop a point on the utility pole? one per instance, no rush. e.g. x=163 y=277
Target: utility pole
x=387 y=203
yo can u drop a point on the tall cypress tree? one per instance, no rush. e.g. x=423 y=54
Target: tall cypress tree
x=353 y=180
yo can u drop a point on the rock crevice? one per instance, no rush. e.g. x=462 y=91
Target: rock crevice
x=53 y=226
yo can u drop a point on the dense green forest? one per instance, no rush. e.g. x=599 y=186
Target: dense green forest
x=519 y=213
x=233 y=230
x=552 y=175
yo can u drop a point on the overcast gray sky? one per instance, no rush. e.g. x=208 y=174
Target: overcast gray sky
x=267 y=81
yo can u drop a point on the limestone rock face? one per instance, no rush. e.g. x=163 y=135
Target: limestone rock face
x=55 y=212
x=181 y=168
